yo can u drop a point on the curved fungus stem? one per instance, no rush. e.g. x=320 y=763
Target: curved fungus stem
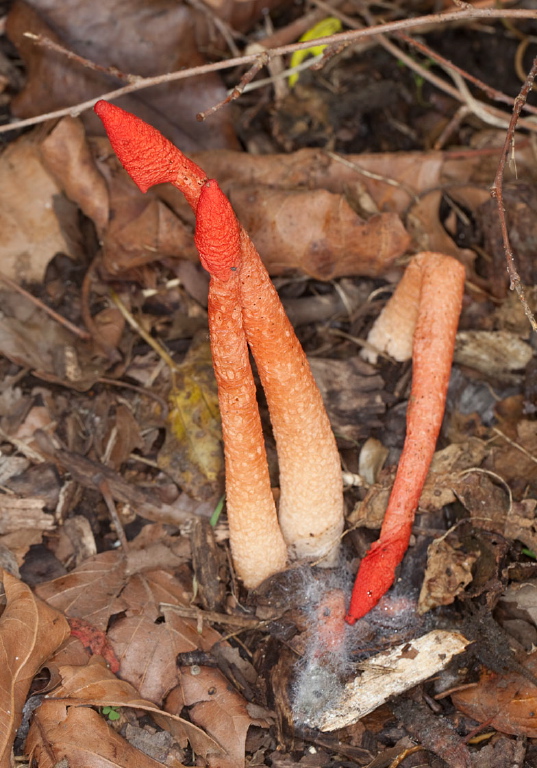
x=257 y=544
x=434 y=285
x=311 y=507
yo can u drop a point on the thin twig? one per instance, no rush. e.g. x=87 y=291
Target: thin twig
x=45 y=42
x=213 y=617
x=341 y=37
x=247 y=78
x=114 y=517
x=496 y=192
x=82 y=334
x=487 y=113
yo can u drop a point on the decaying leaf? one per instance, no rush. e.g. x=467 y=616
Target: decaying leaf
x=219 y=710
x=153 y=38
x=448 y=572
x=30 y=632
x=94 y=684
x=507 y=702
x=80 y=736
x=67 y=156
x=90 y=591
x=36 y=220
x=317 y=232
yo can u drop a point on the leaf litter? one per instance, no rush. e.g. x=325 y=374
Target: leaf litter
x=104 y=416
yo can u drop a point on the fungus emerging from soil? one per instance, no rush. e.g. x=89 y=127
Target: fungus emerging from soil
x=425 y=308
x=244 y=307
x=253 y=523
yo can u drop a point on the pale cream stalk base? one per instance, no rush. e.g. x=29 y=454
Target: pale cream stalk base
x=257 y=544
x=393 y=330
x=311 y=488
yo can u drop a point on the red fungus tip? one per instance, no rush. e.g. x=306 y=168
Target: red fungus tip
x=147 y=156
x=217 y=235
x=376 y=573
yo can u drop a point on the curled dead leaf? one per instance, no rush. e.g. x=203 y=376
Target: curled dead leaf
x=30 y=632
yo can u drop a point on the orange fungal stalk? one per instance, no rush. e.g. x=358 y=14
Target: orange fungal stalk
x=257 y=543
x=431 y=291
x=244 y=307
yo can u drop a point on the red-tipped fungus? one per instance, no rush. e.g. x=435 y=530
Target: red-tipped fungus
x=431 y=291
x=311 y=496
x=311 y=506
x=147 y=156
x=257 y=543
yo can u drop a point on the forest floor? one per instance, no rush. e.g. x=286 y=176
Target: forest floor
x=126 y=638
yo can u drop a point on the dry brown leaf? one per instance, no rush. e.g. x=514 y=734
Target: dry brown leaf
x=148 y=651
x=90 y=591
x=153 y=38
x=30 y=632
x=393 y=180
x=507 y=703
x=220 y=710
x=95 y=684
x=448 y=572
x=317 y=232
x=67 y=156
x=36 y=221
x=146 y=591
x=79 y=736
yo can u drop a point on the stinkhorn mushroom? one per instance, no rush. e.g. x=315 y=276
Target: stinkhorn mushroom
x=430 y=299
x=257 y=544
x=311 y=499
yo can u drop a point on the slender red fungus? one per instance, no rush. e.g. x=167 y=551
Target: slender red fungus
x=147 y=156
x=257 y=544
x=441 y=284
x=311 y=496
x=311 y=507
